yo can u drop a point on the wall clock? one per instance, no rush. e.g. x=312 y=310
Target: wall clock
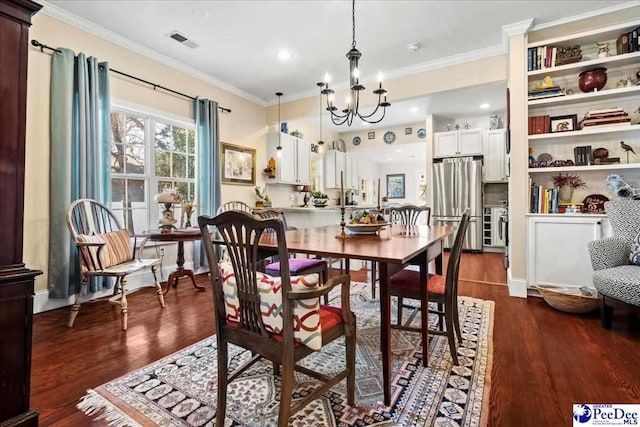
x=389 y=137
x=356 y=140
x=421 y=133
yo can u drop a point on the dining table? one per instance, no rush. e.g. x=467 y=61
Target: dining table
x=393 y=247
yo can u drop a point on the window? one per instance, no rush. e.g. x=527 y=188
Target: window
x=148 y=155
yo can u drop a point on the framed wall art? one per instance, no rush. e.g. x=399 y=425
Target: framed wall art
x=564 y=123
x=238 y=164
x=395 y=186
x=371 y=135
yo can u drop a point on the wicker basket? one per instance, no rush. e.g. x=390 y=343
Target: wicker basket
x=568 y=299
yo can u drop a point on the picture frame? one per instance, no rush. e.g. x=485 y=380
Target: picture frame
x=564 y=123
x=395 y=186
x=371 y=135
x=238 y=164
x=408 y=131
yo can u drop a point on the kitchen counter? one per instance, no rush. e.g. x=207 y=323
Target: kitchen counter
x=313 y=209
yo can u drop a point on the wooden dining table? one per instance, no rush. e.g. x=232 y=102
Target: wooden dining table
x=392 y=247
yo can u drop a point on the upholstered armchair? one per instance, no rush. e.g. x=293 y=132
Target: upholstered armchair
x=615 y=277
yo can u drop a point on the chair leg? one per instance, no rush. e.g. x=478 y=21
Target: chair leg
x=324 y=277
x=448 y=319
x=123 y=302
x=606 y=313
x=276 y=368
x=286 y=389
x=76 y=305
x=222 y=382
x=351 y=365
x=373 y=279
x=456 y=320
x=158 y=287
x=440 y=308
x=399 y=310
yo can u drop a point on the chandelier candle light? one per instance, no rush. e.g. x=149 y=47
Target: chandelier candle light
x=279 y=147
x=353 y=101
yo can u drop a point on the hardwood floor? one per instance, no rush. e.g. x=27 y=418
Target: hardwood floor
x=485 y=267
x=543 y=360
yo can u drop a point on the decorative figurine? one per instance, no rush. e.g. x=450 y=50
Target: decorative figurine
x=448 y=127
x=467 y=125
x=457 y=126
x=603 y=49
x=187 y=210
x=627 y=148
x=544 y=84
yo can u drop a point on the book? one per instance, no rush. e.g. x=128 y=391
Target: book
x=634 y=40
x=622 y=44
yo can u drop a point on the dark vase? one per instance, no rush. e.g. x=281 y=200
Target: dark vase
x=592 y=80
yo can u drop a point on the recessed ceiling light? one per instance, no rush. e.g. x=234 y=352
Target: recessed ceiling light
x=398 y=151
x=414 y=47
x=284 y=55
x=414 y=110
x=484 y=106
x=389 y=159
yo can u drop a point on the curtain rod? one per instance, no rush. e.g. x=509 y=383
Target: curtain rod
x=155 y=86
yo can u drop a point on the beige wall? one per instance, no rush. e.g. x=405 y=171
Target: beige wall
x=246 y=125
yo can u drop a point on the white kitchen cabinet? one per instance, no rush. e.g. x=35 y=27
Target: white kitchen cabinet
x=557 y=248
x=463 y=142
x=334 y=163
x=494 y=151
x=293 y=163
x=351 y=172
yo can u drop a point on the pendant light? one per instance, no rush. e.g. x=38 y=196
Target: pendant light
x=279 y=147
x=320 y=141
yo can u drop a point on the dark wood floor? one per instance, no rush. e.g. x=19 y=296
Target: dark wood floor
x=543 y=360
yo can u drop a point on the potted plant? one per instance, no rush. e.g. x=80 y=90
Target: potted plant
x=566 y=183
x=319 y=199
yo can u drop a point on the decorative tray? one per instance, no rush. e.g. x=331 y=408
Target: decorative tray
x=365 y=228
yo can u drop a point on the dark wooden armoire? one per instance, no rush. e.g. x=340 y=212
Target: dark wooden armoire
x=16 y=281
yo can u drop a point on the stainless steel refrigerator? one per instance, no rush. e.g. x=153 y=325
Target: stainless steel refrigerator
x=457 y=186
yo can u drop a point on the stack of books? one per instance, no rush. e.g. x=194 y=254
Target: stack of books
x=548 y=92
x=583 y=156
x=609 y=116
x=543 y=200
x=539 y=124
x=628 y=42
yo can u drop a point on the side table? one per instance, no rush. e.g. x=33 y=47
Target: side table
x=179 y=236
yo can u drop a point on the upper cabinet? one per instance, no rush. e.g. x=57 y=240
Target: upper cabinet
x=495 y=157
x=351 y=173
x=334 y=164
x=463 y=142
x=293 y=161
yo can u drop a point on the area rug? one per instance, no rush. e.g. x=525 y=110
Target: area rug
x=180 y=390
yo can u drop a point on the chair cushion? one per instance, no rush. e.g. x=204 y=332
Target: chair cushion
x=634 y=256
x=307 y=327
x=330 y=317
x=117 y=250
x=621 y=283
x=296 y=265
x=410 y=280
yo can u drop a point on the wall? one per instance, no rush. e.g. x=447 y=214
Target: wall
x=412 y=171
x=246 y=125
x=378 y=141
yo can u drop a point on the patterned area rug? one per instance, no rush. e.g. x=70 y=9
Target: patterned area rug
x=180 y=390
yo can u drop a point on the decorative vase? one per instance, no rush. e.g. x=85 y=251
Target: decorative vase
x=592 y=80
x=566 y=194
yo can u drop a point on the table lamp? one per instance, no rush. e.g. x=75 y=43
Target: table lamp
x=167 y=219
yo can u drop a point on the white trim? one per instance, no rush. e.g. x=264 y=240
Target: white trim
x=515 y=29
x=586 y=15
x=517 y=287
x=97 y=30
x=132 y=107
x=137 y=280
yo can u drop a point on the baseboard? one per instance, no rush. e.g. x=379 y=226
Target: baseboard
x=140 y=279
x=517 y=287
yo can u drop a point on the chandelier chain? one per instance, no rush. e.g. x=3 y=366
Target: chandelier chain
x=353 y=23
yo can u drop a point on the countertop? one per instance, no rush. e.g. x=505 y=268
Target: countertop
x=313 y=209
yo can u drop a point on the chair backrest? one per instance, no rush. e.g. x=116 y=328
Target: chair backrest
x=241 y=233
x=235 y=205
x=272 y=213
x=409 y=214
x=453 y=266
x=87 y=216
x=624 y=216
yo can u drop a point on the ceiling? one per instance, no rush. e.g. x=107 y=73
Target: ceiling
x=238 y=41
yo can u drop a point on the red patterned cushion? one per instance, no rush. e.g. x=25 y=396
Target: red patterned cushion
x=296 y=266
x=117 y=249
x=330 y=317
x=410 y=280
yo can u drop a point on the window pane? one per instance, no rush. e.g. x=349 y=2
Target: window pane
x=192 y=191
x=136 y=193
x=163 y=163
x=163 y=136
x=182 y=189
x=179 y=166
x=164 y=185
x=191 y=138
x=191 y=167
x=179 y=139
x=117 y=158
x=127 y=143
x=135 y=158
x=117 y=192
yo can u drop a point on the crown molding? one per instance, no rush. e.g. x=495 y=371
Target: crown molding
x=586 y=15
x=92 y=28
x=449 y=61
x=515 y=29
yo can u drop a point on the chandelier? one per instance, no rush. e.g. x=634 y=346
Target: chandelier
x=353 y=101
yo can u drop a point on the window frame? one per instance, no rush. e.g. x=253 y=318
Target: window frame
x=151 y=181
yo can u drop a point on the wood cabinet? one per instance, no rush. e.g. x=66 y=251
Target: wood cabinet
x=495 y=156
x=334 y=163
x=292 y=160
x=557 y=252
x=463 y=142
x=16 y=281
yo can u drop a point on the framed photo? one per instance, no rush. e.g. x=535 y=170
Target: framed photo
x=238 y=164
x=395 y=186
x=564 y=123
x=371 y=135
x=408 y=131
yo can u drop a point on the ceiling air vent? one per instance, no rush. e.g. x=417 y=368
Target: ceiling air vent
x=182 y=39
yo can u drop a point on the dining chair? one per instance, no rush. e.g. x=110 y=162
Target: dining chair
x=235 y=205
x=302 y=325
x=104 y=250
x=441 y=290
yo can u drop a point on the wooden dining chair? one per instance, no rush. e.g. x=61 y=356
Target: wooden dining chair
x=105 y=250
x=297 y=266
x=441 y=290
x=302 y=325
x=235 y=205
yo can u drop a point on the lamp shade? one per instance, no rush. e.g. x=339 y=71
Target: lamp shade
x=167 y=197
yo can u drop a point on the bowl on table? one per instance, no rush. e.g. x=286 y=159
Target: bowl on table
x=320 y=203
x=365 y=228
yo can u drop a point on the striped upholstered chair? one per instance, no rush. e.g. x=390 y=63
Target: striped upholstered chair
x=615 y=277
